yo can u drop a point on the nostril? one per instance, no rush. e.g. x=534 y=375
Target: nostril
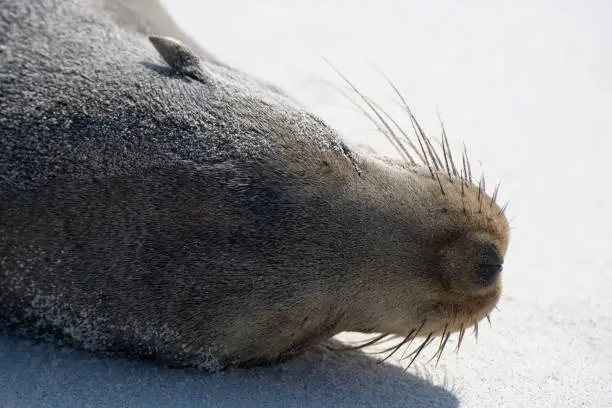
x=490 y=266
x=487 y=274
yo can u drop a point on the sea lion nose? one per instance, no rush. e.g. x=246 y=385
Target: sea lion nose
x=490 y=266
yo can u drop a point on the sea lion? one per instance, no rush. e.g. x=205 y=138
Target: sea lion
x=178 y=209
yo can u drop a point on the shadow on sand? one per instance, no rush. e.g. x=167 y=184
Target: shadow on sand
x=36 y=374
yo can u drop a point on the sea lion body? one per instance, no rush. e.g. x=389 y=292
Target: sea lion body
x=205 y=219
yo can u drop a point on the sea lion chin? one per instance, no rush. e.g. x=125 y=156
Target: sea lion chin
x=161 y=204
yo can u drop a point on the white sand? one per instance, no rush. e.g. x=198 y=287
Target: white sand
x=527 y=85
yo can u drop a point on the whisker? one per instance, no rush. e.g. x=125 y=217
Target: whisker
x=376 y=109
x=448 y=149
x=469 y=166
x=484 y=185
x=378 y=115
x=463 y=193
x=413 y=336
x=423 y=150
x=480 y=194
x=415 y=124
x=476 y=331
x=442 y=347
x=367 y=343
x=494 y=196
x=435 y=159
x=395 y=348
x=444 y=152
x=397 y=145
x=461 y=334
x=440 y=184
x=465 y=169
x=430 y=149
x=443 y=339
x=393 y=337
x=503 y=209
x=389 y=348
x=489 y=320
x=406 y=137
x=418 y=351
x=420 y=141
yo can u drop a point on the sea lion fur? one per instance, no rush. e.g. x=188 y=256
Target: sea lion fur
x=181 y=210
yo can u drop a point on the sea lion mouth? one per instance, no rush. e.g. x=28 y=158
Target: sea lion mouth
x=467 y=313
x=463 y=316
x=440 y=321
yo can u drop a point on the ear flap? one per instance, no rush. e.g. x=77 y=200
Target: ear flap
x=179 y=57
